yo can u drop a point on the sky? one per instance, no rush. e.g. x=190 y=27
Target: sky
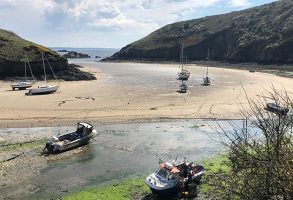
x=104 y=24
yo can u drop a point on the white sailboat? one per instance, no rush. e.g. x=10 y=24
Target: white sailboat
x=184 y=74
x=44 y=89
x=23 y=84
x=206 y=79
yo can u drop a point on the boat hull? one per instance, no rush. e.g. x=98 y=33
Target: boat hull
x=80 y=137
x=170 y=191
x=72 y=145
x=43 y=90
x=21 y=85
x=276 y=109
x=183 y=78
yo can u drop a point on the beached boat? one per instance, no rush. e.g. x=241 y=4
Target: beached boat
x=44 y=89
x=23 y=84
x=277 y=109
x=172 y=177
x=206 y=79
x=183 y=87
x=80 y=137
x=184 y=74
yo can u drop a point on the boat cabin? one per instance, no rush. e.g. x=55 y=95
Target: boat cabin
x=167 y=171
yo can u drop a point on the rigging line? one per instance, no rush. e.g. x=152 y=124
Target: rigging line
x=50 y=67
x=29 y=66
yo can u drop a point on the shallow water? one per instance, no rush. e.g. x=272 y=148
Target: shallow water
x=127 y=150
x=122 y=151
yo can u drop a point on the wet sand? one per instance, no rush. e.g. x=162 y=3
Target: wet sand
x=126 y=92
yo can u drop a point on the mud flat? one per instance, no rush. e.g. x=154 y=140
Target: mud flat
x=119 y=151
x=128 y=92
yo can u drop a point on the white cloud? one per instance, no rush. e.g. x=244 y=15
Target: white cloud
x=65 y=21
x=240 y=3
x=116 y=14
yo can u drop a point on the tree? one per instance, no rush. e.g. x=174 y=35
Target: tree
x=260 y=153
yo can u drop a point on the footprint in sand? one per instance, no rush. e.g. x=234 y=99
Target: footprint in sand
x=85 y=98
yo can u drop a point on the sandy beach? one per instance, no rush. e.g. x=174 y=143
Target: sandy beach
x=136 y=92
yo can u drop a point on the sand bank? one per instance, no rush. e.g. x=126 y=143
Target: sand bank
x=136 y=92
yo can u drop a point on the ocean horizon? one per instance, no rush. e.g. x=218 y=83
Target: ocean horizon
x=92 y=52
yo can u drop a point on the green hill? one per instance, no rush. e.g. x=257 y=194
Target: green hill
x=13 y=53
x=261 y=34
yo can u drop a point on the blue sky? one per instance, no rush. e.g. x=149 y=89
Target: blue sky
x=108 y=24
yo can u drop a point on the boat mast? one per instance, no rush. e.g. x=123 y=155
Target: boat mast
x=29 y=66
x=186 y=63
x=181 y=59
x=44 y=68
x=208 y=60
x=25 y=71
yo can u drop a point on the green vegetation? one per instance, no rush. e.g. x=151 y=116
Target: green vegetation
x=261 y=34
x=196 y=126
x=259 y=162
x=214 y=166
x=14 y=48
x=14 y=51
x=124 y=190
x=35 y=144
x=136 y=188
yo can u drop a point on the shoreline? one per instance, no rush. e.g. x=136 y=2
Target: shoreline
x=64 y=123
x=282 y=70
x=117 y=96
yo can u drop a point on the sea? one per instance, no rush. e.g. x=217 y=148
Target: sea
x=92 y=52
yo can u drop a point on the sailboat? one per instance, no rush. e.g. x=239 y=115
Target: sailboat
x=184 y=73
x=44 y=89
x=206 y=79
x=23 y=84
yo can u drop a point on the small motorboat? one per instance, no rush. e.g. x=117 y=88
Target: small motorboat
x=80 y=137
x=172 y=178
x=272 y=107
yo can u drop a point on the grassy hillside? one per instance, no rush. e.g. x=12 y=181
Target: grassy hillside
x=14 y=48
x=14 y=51
x=262 y=34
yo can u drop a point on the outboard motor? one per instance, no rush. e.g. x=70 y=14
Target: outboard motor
x=49 y=146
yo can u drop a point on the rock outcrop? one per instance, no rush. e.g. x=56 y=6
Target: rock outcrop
x=74 y=54
x=14 y=51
